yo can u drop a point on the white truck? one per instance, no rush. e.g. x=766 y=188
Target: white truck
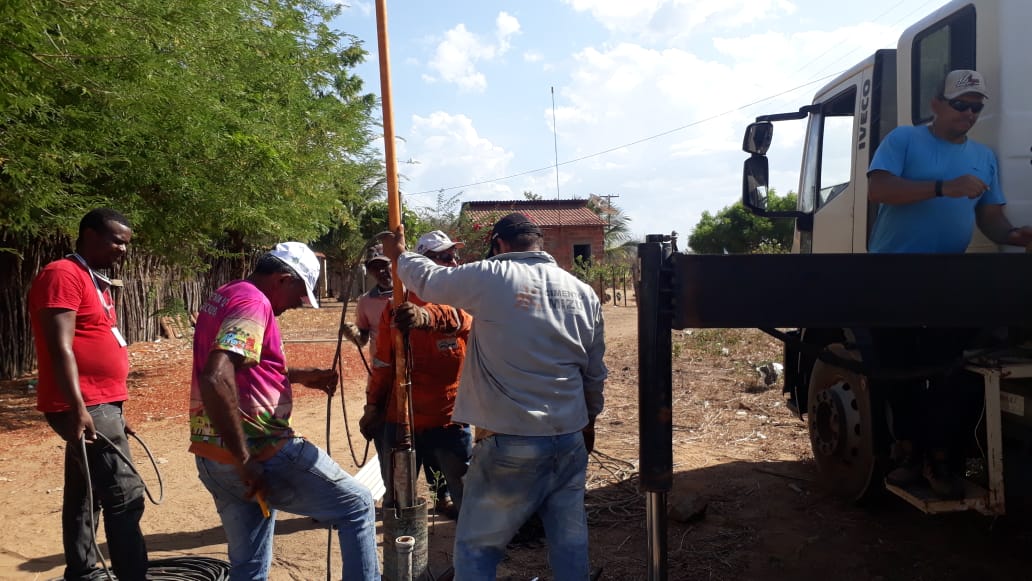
x=845 y=123
x=831 y=292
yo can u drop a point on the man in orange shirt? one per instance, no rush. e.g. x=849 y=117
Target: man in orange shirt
x=437 y=337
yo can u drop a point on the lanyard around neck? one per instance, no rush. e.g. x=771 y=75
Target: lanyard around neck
x=108 y=307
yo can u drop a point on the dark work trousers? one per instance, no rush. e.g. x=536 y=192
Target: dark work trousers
x=443 y=453
x=926 y=412
x=116 y=489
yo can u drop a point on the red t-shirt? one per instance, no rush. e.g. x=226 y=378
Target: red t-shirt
x=103 y=363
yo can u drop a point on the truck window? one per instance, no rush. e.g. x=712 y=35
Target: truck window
x=828 y=158
x=836 y=157
x=945 y=46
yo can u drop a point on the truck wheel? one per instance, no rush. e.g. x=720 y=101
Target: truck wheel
x=839 y=418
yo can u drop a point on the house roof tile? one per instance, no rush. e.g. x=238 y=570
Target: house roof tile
x=542 y=212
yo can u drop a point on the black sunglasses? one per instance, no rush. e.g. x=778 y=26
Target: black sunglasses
x=961 y=106
x=446 y=257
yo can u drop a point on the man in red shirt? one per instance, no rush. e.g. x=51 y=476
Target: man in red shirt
x=83 y=366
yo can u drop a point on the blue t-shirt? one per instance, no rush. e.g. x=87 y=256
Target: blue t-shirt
x=936 y=225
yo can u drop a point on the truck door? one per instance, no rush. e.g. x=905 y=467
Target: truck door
x=827 y=185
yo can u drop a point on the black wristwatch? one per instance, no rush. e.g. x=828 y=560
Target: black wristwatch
x=938 y=188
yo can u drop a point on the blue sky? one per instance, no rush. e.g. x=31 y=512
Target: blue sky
x=650 y=95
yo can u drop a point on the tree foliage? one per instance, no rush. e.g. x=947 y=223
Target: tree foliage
x=736 y=230
x=617 y=235
x=213 y=124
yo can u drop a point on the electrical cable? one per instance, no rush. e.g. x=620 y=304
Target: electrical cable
x=188 y=569
x=168 y=569
x=154 y=463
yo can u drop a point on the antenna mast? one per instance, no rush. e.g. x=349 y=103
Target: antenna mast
x=555 y=148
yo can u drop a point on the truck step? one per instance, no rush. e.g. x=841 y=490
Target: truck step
x=921 y=496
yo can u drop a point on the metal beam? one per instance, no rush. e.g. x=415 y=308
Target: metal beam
x=852 y=290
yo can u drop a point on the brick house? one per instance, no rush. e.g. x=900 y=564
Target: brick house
x=570 y=228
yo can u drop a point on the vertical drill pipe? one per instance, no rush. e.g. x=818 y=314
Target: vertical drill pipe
x=655 y=428
x=393 y=221
x=404 y=545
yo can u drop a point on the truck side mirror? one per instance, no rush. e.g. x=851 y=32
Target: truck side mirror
x=758 y=137
x=754 y=183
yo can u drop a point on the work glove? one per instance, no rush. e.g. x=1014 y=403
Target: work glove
x=371 y=421
x=352 y=333
x=409 y=316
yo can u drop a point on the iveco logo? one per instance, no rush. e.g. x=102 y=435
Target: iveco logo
x=865 y=106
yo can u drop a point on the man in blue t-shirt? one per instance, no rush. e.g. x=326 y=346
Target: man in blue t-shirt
x=934 y=185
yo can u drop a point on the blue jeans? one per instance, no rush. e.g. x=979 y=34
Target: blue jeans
x=509 y=479
x=303 y=480
x=116 y=489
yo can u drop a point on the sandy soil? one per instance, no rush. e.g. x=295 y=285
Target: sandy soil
x=737 y=450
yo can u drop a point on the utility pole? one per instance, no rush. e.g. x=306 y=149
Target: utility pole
x=609 y=210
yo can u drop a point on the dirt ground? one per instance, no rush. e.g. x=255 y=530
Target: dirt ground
x=737 y=451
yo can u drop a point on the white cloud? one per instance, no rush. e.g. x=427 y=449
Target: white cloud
x=673 y=19
x=455 y=58
x=621 y=94
x=667 y=118
x=506 y=26
x=533 y=56
x=448 y=150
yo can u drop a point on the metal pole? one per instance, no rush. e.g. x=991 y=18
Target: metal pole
x=408 y=513
x=655 y=424
x=404 y=546
x=400 y=397
x=656 y=526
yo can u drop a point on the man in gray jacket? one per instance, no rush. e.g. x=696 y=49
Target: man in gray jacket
x=532 y=385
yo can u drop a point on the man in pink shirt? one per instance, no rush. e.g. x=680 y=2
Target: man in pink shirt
x=240 y=407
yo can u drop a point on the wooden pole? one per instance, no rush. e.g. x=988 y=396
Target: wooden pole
x=403 y=480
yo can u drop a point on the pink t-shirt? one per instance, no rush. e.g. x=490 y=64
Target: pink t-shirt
x=369 y=308
x=238 y=318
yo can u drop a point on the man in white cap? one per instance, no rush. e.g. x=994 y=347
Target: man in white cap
x=247 y=454
x=934 y=184
x=436 y=336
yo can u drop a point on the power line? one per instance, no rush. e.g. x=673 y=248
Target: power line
x=557 y=163
x=632 y=143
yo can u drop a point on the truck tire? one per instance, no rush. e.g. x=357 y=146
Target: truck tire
x=840 y=420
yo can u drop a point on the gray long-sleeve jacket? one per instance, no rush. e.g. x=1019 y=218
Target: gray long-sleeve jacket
x=534 y=361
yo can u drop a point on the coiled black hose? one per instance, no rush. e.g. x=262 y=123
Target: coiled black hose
x=170 y=569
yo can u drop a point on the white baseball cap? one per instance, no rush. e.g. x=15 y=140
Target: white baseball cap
x=964 y=81
x=300 y=258
x=436 y=241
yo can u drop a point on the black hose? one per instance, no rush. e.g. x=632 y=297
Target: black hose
x=170 y=569
x=89 y=496
x=154 y=463
x=188 y=569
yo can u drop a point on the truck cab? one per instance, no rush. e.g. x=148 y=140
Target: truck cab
x=850 y=115
x=846 y=122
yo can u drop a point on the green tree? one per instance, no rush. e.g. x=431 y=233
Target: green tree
x=736 y=230
x=214 y=124
x=444 y=214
